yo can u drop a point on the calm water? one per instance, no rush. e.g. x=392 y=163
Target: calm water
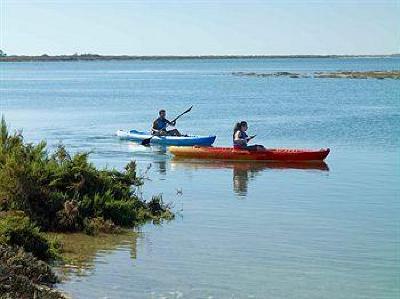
x=242 y=230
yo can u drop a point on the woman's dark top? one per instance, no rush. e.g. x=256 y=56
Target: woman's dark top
x=242 y=142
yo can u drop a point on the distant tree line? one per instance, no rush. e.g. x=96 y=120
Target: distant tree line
x=91 y=56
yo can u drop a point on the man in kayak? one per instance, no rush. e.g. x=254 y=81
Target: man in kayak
x=241 y=139
x=160 y=125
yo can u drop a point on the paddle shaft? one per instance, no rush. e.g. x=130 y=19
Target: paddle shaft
x=176 y=118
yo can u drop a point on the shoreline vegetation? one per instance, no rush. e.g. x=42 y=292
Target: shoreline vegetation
x=43 y=194
x=97 y=57
x=395 y=74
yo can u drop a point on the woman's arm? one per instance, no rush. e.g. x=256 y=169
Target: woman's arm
x=251 y=137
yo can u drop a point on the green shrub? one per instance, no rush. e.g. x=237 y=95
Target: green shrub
x=121 y=212
x=60 y=192
x=98 y=225
x=158 y=210
x=156 y=206
x=17 y=230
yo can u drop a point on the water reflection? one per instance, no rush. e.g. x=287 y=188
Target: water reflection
x=157 y=154
x=161 y=166
x=81 y=251
x=244 y=171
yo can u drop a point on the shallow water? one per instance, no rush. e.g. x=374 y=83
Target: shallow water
x=242 y=230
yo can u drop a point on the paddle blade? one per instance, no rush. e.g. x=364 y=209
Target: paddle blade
x=176 y=118
x=188 y=110
x=146 y=142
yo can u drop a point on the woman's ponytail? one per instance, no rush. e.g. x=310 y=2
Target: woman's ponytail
x=237 y=127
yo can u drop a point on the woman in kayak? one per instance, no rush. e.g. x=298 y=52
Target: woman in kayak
x=241 y=139
x=159 y=127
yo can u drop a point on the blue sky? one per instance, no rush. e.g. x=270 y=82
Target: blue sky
x=198 y=27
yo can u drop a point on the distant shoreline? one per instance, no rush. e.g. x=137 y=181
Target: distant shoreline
x=95 y=57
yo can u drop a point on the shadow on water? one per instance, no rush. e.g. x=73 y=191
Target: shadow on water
x=245 y=171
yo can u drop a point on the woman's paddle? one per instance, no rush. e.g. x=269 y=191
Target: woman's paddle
x=146 y=141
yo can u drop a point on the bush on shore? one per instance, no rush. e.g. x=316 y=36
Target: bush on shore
x=97 y=225
x=16 y=230
x=60 y=192
x=24 y=276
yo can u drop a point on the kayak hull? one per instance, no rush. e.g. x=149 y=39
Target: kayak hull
x=228 y=153
x=139 y=136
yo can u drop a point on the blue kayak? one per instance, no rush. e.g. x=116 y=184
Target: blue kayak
x=139 y=136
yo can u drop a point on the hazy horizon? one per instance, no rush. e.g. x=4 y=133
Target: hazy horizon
x=200 y=28
x=203 y=55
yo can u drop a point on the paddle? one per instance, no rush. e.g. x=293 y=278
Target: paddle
x=251 y=137
x=176 y=118
x=146 y=141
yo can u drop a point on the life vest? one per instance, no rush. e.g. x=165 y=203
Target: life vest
x=161 y=124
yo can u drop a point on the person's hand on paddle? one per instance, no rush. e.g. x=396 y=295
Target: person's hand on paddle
x=173 y=123
x=251 y=137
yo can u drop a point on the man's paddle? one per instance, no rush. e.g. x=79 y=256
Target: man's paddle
x=146 y=141
x=176 y=118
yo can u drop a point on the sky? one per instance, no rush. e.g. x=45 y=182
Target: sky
x=199 y=27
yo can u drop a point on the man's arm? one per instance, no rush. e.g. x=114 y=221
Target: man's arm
x=153 y=128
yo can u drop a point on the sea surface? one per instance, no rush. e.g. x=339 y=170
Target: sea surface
x=242 y=230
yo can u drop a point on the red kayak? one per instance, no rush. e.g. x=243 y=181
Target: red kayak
x=229 y=153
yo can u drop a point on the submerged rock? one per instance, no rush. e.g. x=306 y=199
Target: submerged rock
x=272 y=74
x=360 y=75
x=345 y=74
